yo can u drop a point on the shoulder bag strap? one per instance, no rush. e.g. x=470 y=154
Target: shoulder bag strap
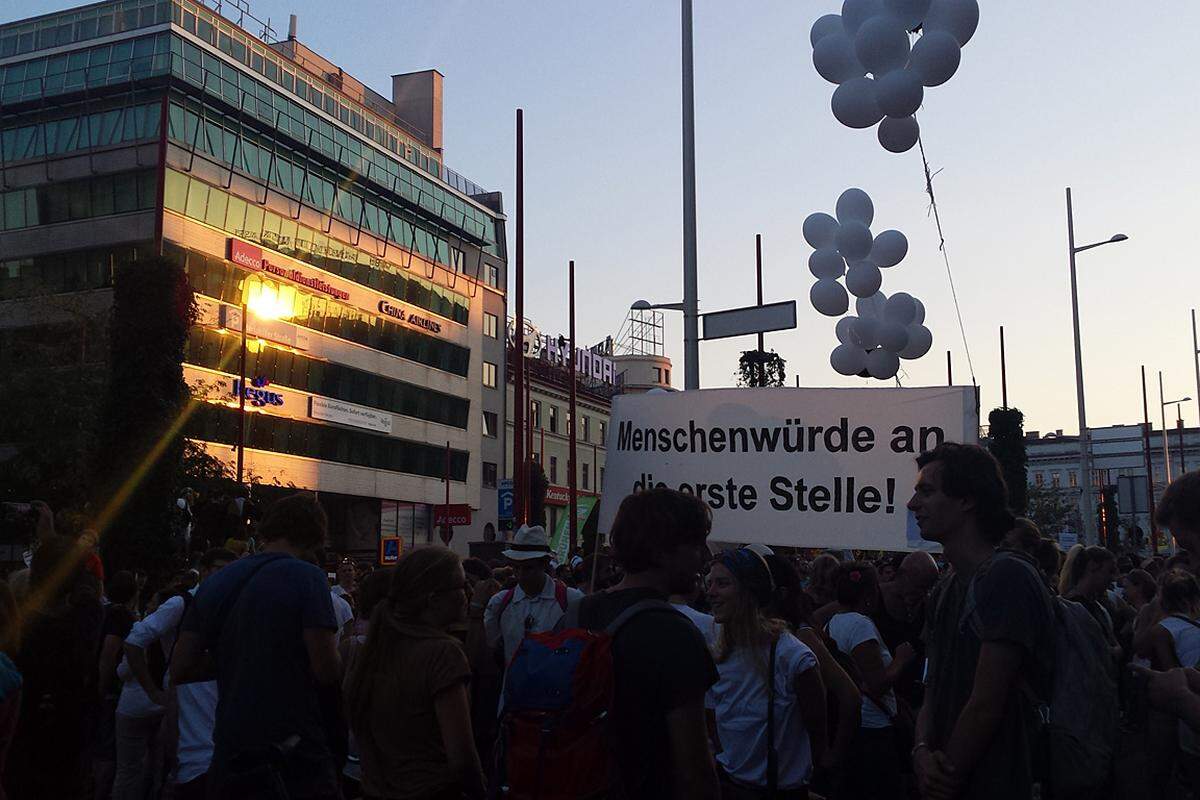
x=772 y=753
x=231 y=601
x=642 y=605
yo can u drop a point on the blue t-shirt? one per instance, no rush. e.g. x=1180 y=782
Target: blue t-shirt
x=266 y=689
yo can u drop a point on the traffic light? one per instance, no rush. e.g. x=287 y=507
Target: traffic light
x=1109 y=515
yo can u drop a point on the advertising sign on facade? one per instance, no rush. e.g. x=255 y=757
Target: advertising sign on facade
x=390 y=548
x=560 y=542
x=794 y=467
x=349 y=414
x=455 y=515
x=253 y=257
x=505 y=502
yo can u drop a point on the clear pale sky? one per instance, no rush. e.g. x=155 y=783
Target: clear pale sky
x=1098 y=95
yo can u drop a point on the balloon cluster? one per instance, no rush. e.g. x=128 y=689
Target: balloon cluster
x=886 y=329
x=871 y=36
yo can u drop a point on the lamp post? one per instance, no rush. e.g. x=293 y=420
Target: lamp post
x=691 y=303
x=1085 y=466
x=1178 y=425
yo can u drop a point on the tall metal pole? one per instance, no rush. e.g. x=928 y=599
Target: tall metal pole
x=572 y=486
x=691 y=301
x=1196 y=357
x=762 y=365
x=1149 y=464
x=949 y=370
x=520 y=474
x=1003 y=373
x=241 y=447
x=1085 y=455
x=1162 y=407
x=1179 y=427
x=447 y=528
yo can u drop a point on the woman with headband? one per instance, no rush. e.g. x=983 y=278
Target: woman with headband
x=769 y=700
x=873 y=772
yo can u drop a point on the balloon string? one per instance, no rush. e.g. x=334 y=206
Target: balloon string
x=945 y=256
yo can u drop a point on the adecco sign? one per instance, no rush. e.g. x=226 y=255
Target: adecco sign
x=251 y=257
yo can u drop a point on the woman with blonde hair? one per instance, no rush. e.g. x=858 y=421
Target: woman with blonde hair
x=407 y=693
x=769 y=699
x=1066 y=578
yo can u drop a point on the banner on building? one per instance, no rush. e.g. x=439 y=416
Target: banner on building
x=560 y=541
x=795 y=467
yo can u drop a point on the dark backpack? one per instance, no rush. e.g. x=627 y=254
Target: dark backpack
x=558 y=697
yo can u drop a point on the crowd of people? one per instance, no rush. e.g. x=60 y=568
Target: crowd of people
x=655 y=668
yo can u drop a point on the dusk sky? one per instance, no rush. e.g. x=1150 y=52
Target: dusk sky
x=1094 y=94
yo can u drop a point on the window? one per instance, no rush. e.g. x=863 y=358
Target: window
x=489 y=375
x=600 y=482
x=1055 y=478
x=554 y=419
x=667 y=377
x=491 y=325
x=585 y=478
x=490 y=423
x=658 y=374
x=587 y=428
x=1038 y=479
x=535 y=414
x=553 y=469
x=489 y=475
x=1073 y=479
x=493 y=276
x=603 y=432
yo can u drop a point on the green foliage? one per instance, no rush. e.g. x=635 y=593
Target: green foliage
x=1006 y=441
x=140 y=454
x=760 y=368
x=1053 y=510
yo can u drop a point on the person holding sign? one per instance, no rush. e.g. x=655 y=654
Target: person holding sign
x=770 y=699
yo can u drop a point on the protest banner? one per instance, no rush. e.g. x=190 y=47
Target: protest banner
x=796 y=467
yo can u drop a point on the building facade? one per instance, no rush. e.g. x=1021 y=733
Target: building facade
x=372 y=276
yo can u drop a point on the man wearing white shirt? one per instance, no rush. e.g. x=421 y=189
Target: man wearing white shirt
x=535 y=604
x=196 y=703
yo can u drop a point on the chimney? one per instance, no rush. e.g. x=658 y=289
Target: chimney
x=292 y=26
x=417 y=98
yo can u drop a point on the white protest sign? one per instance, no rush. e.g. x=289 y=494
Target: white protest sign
x=796 y=467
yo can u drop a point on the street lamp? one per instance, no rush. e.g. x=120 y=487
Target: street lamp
x=1085 y=466
x=1178 y=424
x=646 y=305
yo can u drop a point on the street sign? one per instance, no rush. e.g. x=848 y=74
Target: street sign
x=451 y=515
x=390 y=548
x=504 y=500
x=751 y=319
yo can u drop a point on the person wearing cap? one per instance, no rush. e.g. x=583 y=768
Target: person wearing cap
x=534 y=605
x=769 y=700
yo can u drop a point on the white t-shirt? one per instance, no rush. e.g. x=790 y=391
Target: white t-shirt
x=1186 y=637
x=848 y=630
x=739 y=698
x=342 y=611
x=524 y=614
x=701 y=620
x=160 y=627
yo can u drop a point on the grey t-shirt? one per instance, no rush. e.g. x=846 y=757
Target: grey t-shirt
x=1010 y=604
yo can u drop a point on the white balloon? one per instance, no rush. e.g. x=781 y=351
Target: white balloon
x=864 y=332
x=834 y=59
x=856 y=12
x=825 y=26
x=935 y=58
x=899 y=93
x=842 y=329
x=863 y=279
x=893 y=336
x=889 y=249
x=819 y=229
x=881 y=44
x=919 y=316
x=911 y=13
x=854 y=104
x=854 y=205
x=853 y=240
x=920 y=339
x=846 y=359
x=882 y=364
x=898 y=134
x=900 y=308
x=829 y=297
x=826 y=263
x=959 y=18
x=870 y=306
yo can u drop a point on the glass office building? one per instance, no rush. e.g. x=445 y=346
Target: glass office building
x=374 y=275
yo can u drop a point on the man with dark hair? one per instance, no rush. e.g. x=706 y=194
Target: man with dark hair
x=266 y=625
x=989 y=628
x=1179 y=512
x=662 y=666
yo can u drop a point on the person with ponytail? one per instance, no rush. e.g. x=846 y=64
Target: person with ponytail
x=407 y=691
x=769 y=699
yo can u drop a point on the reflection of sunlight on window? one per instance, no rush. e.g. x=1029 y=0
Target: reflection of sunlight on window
x=270 y=301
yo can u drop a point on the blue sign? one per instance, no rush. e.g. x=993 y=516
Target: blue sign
x=504 y=499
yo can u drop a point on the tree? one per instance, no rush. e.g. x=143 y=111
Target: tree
x=140 y=454
x=760 y=368
x=1053 y=510
x=1006 y=441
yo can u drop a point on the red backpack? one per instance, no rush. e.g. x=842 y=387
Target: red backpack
x=558 y=698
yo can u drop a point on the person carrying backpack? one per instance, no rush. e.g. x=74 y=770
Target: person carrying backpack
x=770 y=700
x=990 y=633
x=611 y=704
